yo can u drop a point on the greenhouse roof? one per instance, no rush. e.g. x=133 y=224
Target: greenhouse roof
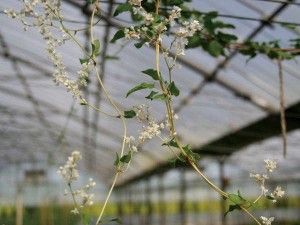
x=225 y=103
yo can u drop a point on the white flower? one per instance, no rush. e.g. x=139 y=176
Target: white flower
x=69 y=171
x=148 y=19
x=152 y=130
x=75 y=211
x=267 y=221
x=134 y=148
x=278 y=192
x=271 y=164
x=135 y=2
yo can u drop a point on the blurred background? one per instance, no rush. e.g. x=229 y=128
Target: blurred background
x=228 y=112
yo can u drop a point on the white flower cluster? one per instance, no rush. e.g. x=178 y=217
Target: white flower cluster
x=70 y=173
x=142 y=112
x=44 y=20
x=175 y=14
x=270 y=165
x=278 y=192
x=267 y=221
x=128 y=141
x=85 y=197
x=152 y=130
x=69 y=170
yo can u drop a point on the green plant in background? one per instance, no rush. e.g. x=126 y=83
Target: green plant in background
x=155 y=20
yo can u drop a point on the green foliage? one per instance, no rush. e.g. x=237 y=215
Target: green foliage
x=86 y=219
x=140 y=44
x=82 y=61
x=173 y=89
x=239 y=201
x=232 y=208
x=126 y=158
x=95 y=47
x=140 y=87
x=173 y=2
x=152 y=73
x=117 y=160
x=214 y=48
x=155 y=95
x=125 y=7
x=129 y=114
x=194 y=157
x=270 y=197
x=118 y=35
x=117 y=220
x=91 y=1
x=111 y=57
x=271 y=49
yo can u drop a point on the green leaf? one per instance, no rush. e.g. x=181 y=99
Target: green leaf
x=91 y=1
x=126 y=158
x=140 y=44
x=220 y=24
x=160 y=97
x=194 y=41
x=86 y=219
x=125 y=7
x=140 y=87
x=226 y=38
x=232 y=208
x=118 y=35
x=117 y=161
x=172 y=143
x=151 y=95
x=82 y=61
x=215 y=48
x=152 y=73
x=173 y=162
x=118 y=220
x=95 y=47
x=192 y=155
x=173 y=89
x=105 y=220
x=270 y=197
x=237 y=199
x=129 y=114
x=111 y=57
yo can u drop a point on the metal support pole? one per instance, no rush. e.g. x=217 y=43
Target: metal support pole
x=162 y=206
x=182 y=203
x=223 y=182
x=148 y=203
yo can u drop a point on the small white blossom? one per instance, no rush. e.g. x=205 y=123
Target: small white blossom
x=278 y=192
x=148 y=19
x=271 y=164
x=134 y=148
x=267 y=221
x=135 y=2
x=75 y=211
x=69 y=171
x=152 y=130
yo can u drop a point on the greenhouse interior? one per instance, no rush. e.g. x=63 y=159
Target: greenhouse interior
x=150 y=112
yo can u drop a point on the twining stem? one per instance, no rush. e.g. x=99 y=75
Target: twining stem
x=172 y=126
x=282 y=111
x=107 y=198
x=76 y=205
x=246 y=210
x=93 y=57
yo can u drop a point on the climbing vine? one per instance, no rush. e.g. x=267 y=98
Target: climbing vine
x=154 y=21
